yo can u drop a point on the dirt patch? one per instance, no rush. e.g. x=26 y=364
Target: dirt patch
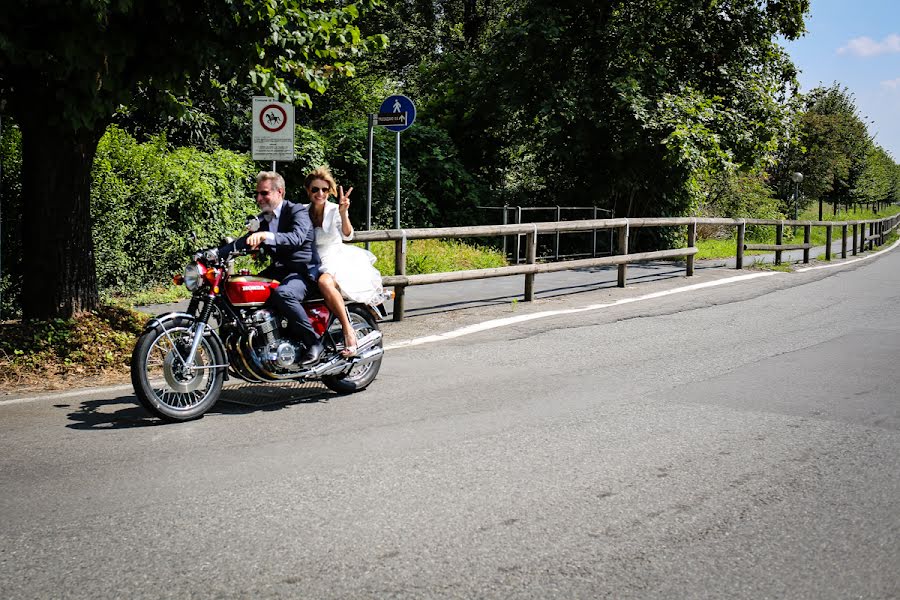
x=91 y=349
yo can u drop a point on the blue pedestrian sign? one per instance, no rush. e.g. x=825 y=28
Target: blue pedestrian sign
x=397 y=109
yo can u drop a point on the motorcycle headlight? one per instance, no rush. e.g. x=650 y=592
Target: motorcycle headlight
x=193 y=277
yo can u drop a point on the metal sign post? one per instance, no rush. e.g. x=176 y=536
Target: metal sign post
x=397 y=196
x=397 y=113
x=369 y=188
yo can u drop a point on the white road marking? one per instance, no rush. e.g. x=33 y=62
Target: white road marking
x=478 y=327
x=848 y=262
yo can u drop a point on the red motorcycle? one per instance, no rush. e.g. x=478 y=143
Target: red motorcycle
x=181 y=360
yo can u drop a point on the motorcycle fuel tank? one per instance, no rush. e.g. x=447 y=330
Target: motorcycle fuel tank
x=248 y=290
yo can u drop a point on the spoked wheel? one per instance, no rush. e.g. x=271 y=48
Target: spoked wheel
x=360 y=376
x=162 y=382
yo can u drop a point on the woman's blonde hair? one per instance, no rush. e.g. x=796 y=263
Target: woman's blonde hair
x=323 y=173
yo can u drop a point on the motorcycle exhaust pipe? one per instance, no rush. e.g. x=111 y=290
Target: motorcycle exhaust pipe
x=366 y=352
x=340 y=365
x=368 y=341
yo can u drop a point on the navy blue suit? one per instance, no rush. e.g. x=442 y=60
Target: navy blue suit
x=295 y=264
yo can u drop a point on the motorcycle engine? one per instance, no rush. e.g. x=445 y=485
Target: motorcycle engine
x=275 y=351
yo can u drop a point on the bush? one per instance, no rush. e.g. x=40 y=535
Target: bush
x=153 y=206
x=737 y=196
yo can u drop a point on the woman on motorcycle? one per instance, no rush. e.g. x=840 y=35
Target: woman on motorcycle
x=346 y=270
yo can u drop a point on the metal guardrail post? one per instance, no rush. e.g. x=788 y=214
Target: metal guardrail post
x=691 y=241
x=779 y=239
x=594 y=238
x=806 y=235
x=828 y=242
x=739 y=255
x=623 y=249
x=853 y=240
x=531 y=258
x=399 y=269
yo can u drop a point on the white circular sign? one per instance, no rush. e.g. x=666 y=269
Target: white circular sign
x=273 y=118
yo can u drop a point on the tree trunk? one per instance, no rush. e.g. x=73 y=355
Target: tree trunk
x=60 y=278
x=471 y=22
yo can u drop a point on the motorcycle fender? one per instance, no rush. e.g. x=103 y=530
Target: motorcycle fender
x=159 y=320
x=378 y=311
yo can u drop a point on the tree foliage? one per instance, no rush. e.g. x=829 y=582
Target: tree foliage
x=831 y=146
x=623 y=102
x=66 y=69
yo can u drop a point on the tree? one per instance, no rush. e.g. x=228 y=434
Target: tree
x=876 y=182
x=620 y=104
x=832 y=147
x=66 y=69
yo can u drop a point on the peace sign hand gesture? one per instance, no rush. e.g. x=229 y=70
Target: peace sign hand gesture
x=343 y=200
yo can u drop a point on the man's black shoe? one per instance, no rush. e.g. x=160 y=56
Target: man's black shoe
x=313 y=353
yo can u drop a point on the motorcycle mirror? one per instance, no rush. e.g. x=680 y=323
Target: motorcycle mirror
x=253 y=224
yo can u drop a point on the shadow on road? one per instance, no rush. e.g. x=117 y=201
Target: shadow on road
x=125 y=411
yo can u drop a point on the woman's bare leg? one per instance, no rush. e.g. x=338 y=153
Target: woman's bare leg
x=335 y=302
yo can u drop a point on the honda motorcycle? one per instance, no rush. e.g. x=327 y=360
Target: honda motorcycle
x=181 y=360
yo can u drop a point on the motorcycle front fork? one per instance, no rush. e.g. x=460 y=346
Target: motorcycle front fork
x=199 y=328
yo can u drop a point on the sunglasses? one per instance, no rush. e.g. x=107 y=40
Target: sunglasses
x=316 y=190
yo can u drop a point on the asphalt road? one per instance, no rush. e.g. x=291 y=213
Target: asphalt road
x=737 y=439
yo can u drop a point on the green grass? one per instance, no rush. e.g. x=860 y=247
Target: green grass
x=437 y=256
x=720 y=249
x=784 y=267
x=161 y=294
x=717 y=248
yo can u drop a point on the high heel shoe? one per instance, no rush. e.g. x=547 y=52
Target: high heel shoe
x=349 y=350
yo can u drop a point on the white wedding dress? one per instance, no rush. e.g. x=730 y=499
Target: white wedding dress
x=351 y=266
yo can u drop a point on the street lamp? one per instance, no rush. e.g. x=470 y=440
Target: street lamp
x=797 y=177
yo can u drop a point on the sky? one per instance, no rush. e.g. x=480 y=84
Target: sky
x=856 y=43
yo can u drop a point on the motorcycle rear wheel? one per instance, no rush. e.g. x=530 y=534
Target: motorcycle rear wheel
x=359 y=377
x=161 y=383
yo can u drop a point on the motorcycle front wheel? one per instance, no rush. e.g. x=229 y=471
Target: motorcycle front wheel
x=359 y=377
x=163 y=384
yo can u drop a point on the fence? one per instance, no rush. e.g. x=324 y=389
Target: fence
x=512 y=249
x=860 y=239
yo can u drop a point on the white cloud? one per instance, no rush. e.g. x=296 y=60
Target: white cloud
x=866 y=46
x=893 y=84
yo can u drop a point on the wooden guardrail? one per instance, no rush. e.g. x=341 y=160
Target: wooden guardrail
x=877 y=231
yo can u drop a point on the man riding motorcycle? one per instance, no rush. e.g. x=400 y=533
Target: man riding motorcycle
x=287 y=236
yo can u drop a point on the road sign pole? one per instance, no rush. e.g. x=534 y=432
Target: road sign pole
x=369 y=188
x=397 y=113
x=397 y=203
